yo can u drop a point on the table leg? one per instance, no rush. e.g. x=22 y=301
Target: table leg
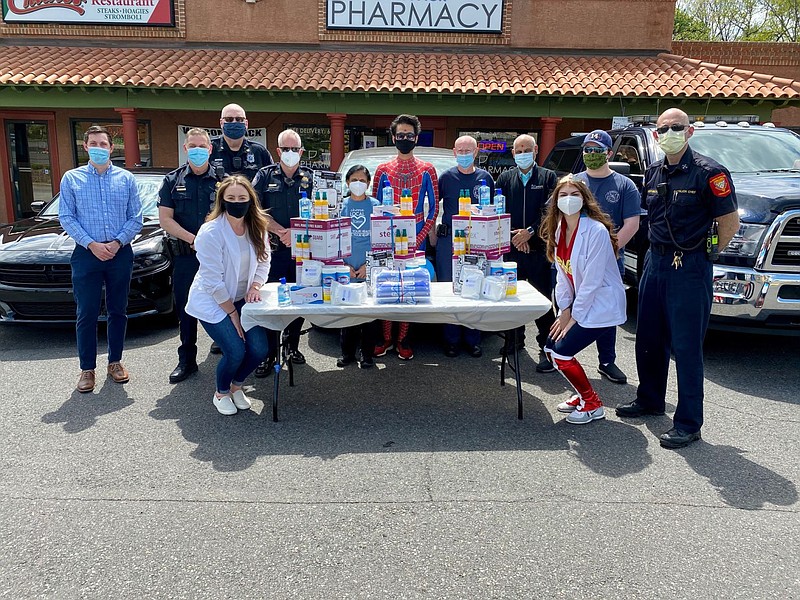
x=517 y=376
x=503 y=359
x=276 y=389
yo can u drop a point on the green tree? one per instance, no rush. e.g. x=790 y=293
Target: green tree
x=727 y=20
x=782 y=19
x=689 y=28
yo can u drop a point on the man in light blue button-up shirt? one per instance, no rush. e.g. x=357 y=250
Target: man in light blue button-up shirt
x=101 y=210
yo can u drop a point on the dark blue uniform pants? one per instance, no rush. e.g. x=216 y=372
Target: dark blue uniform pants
x=444 y=272
x=674 y=308
x=283 y=265
x=184 y=268
x=89 y=276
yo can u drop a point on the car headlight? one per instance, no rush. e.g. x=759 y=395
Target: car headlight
x=746 y=242
x=149 y=254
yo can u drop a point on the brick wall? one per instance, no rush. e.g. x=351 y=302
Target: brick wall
x=781 y=59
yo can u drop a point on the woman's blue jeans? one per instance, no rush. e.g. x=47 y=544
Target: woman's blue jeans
x=240 y=357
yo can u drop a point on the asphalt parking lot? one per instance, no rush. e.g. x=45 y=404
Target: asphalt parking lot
x=412 y=480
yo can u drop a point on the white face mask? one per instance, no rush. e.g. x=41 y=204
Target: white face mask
x=569 y=205
x=290 y=158
x=357 y=188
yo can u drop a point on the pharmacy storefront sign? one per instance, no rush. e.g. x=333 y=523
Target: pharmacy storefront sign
x=91 y=12
x=474 y=16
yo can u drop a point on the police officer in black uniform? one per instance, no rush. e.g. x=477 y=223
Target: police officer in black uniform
x=278 y=187
x=692 y=213
x=527 y=189
x=185 y=199
x=232 y=150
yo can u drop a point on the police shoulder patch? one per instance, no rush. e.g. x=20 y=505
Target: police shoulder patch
x=720 y=186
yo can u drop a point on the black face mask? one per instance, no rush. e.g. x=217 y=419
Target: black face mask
x=237 y=209
x=405 y=146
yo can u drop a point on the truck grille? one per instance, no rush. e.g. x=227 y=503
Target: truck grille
x=39 y=276
x=785 y=253
x=65 y=311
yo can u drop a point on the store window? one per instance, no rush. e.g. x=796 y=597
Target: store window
x=494 y=149
x=115 y=129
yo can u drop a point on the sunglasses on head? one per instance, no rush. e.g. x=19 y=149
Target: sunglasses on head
x=232 y=119
x=675 y=127
x=594 y=150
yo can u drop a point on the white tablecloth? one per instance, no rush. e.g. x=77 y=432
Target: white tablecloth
x=445 y=307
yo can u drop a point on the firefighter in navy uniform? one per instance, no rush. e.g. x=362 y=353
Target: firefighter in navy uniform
x=692 y=210
x=232 y=150
x=527 y=189
x=278 y=187
x=185 y=199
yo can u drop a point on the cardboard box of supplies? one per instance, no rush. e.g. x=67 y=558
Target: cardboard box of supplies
x=328 y=238
x=490 y=235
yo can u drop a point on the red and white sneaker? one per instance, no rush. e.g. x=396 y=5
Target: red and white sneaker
x=383 y=348
x=569 y=405
x=581 y=416
x=404 y=351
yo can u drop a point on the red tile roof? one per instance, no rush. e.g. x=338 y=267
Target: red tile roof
x=446 y=72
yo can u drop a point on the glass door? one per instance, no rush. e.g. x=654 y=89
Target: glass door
x=29 y=163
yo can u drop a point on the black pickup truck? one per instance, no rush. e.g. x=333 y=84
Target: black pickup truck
x=757 y=276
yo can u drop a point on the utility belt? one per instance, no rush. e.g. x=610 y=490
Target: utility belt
x=669 y=249
x=179 y=247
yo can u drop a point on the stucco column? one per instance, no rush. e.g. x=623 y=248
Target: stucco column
x=337 y=138
x=548 y=139
x=130 y=134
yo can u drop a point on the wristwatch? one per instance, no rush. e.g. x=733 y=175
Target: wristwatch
x=531 y=230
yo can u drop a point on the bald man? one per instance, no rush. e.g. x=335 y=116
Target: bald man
x=232 y=150
x=685 y=194
x=527 y=188
x=464 y=176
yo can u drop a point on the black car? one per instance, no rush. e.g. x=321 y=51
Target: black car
x=35 y=274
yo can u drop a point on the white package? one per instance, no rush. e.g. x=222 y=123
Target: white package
x=311 y=273
x=494 y=288
x=471 y=282
x=350 y=294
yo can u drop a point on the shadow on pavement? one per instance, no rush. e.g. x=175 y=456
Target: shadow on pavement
x=82 y=411
x=609 y=448
x=740 y=482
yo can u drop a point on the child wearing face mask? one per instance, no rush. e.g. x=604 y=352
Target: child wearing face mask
x=581 y=242
x=358 y=206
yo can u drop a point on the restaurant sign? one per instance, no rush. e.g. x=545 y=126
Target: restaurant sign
x=473 y=16
x=91 y=12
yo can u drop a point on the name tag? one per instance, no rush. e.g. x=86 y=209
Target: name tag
x=181 y=189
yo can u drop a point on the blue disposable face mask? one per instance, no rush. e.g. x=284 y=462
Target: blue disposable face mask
x=524 y=160
x=99 y=156
x=234 y=130
x=197 y=156
x=465 y=160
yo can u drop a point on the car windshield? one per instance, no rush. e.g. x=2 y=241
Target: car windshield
x=749 y=150
x=148 y=184
x=441 y=161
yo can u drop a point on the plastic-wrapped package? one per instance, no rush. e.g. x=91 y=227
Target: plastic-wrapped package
x=471 y=282
x=411 y=286
x=351 y=294
x=311 y=273
x=494 y=288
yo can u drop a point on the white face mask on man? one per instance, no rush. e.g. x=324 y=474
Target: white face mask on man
x=569 y=205
x=290 y=158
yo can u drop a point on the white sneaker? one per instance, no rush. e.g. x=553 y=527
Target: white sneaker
x=581 y=417
x=241 y=401
x=570 y=405
x=224 y=405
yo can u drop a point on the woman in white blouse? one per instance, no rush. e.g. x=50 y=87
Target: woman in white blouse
x=581 y=242
x=234 y=256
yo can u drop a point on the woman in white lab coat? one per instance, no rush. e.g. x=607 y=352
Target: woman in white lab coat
x=581 y=242
x=234 y=255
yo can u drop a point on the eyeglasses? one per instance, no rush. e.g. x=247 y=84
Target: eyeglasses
x=675 y=127
x=405 y=136
x=290 y=148
x=232 y=119
x=594 y=150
